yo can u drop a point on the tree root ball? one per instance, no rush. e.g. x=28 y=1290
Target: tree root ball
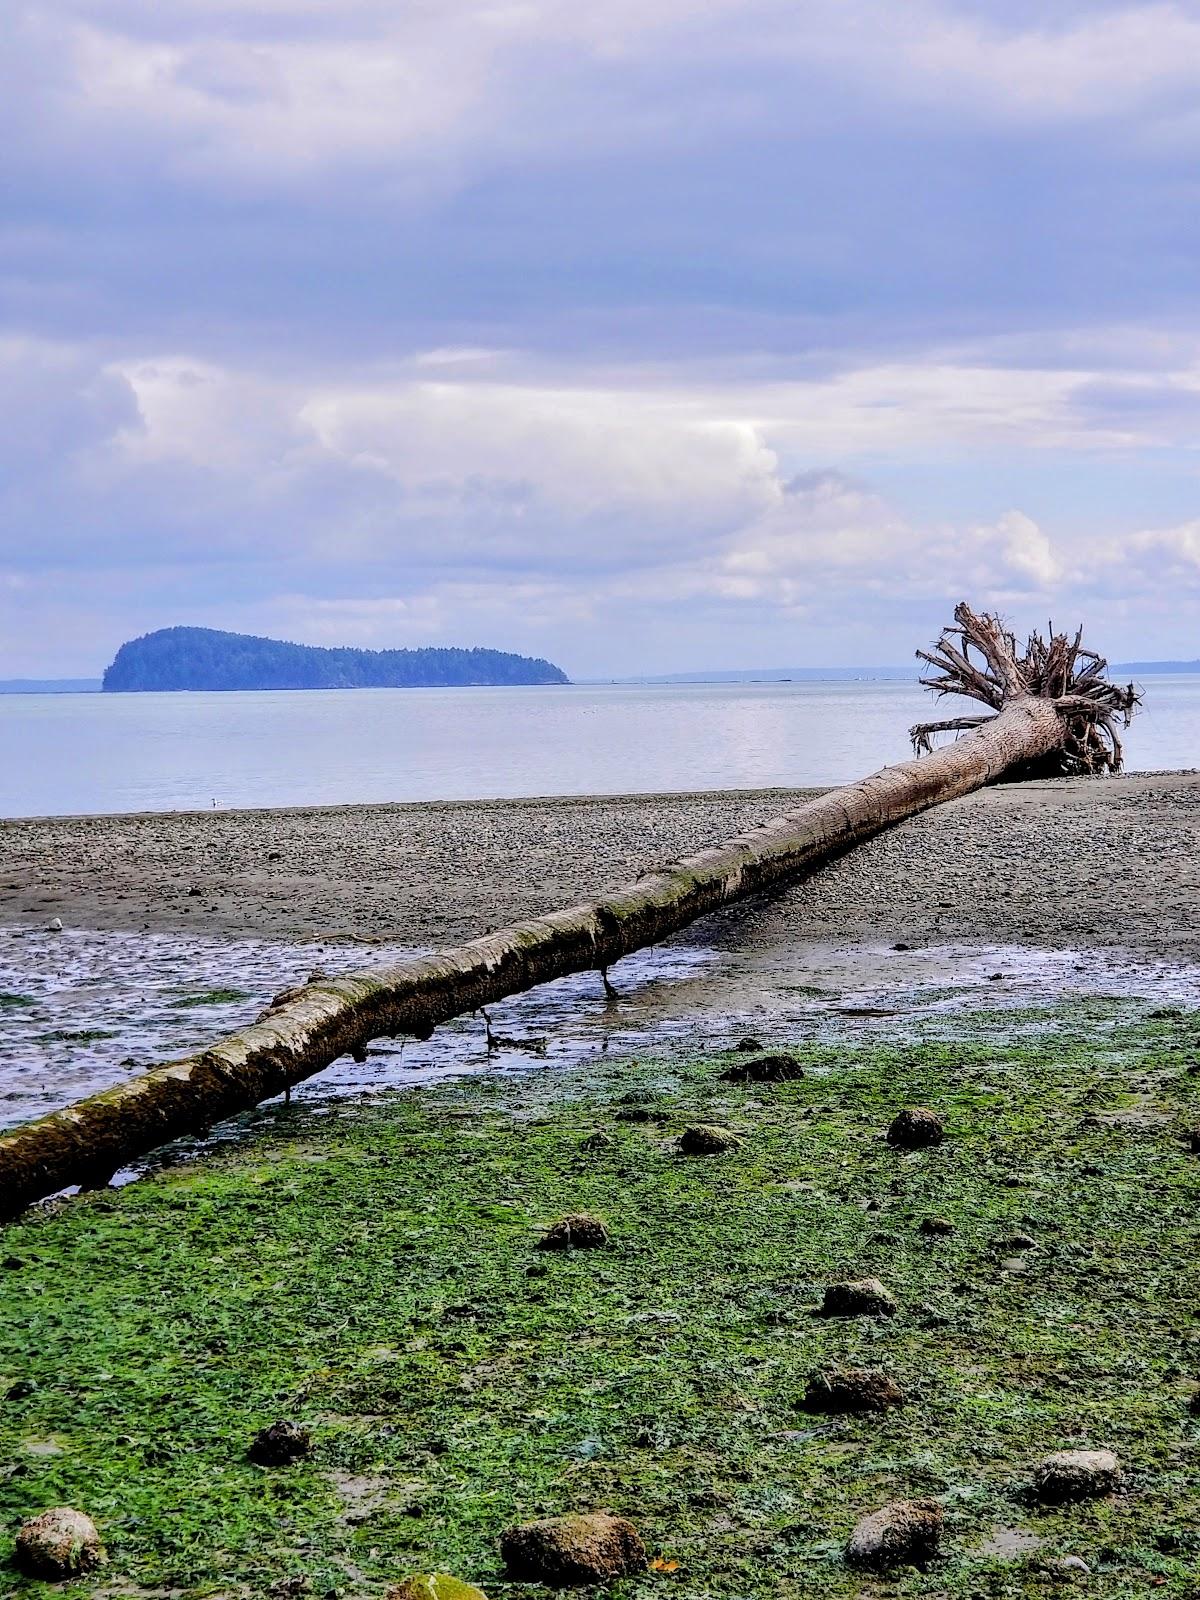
x=853 y=1392
x=775 y=1067
x=1076 y=1475
x=902 y=1533
x=561 y=1551
x=705 y=1139
x=61 y=1543
x=858 y=1297
x=577 y=1232
x=280 y=1445
x=915 y=1128
x=433 y=1586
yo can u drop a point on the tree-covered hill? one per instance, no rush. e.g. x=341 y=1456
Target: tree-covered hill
x=205 y=658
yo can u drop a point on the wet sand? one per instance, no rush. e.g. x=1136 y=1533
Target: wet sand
x=1068 y=863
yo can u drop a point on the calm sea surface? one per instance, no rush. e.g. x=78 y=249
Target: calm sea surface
x=64 y=754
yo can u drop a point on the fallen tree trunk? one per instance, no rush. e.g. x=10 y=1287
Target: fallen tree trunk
x=1049 y=715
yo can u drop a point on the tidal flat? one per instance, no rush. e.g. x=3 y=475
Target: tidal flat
x=373 y=1273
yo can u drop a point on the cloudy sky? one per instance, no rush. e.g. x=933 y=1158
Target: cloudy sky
x=649 y=335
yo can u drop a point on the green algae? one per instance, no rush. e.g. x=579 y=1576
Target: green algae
x=15 y=1002
x=75 y=1035
x=210 y=997
x=375 y=1275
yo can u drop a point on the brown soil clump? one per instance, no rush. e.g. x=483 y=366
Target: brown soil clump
x=60 y=1543
x=775 y=1067
x=560 y=1551
x=858 y=1297
x=915 y=1128
x=280 y=1445
x=577 y=1232
x=704 y=1139
x=1070 y=1475
x=937 y=1227
x=854 y=1392
x=902 y=1533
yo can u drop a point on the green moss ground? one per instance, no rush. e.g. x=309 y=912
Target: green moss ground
x=373 y=1273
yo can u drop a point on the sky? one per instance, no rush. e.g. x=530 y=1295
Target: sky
x=645 y=336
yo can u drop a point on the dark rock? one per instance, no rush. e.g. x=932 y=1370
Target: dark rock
x=915 y=1128
x=577 y=1232
x=1021 y=1241
x=936 y=1227
x=60 y=1543
x=858 y=1297
x=748 y=1045
x=704 y=1139
x=775 y=1067
x=560 y=1551
x=852 y=1392
x=1076 y=1475
x=280 y=1444
x=1192 y=1140
x=1194 y=1404
x=903 y=1533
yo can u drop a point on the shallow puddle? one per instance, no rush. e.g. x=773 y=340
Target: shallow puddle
x=80 y=1010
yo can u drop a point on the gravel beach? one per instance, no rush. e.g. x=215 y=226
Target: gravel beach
x=1103 y=862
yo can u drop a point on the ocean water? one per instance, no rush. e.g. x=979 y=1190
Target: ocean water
x=87 y=753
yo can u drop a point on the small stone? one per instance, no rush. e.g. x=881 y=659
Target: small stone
x=577 y=1232
x=1065 y=1567
x=433 y=1586
x=290 y=1588
x=1021 y=1241
x=61 y=1543
x=900 y=944
x=858 y=1297
x=902 y=1533
x=915 y=1128
x=852 y=1392
x=936 y=1227
x=560 y=1551
x=194 y=891
x=1194 y=1404
x=280 y=1444
x=21 y=1390
x=54 y=925
x=705 y=1139
x=1076 y=1475
x=1192 y=1140
x=748 y=1045
x=775 y=1067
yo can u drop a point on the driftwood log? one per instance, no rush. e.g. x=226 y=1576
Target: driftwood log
x=1052 y=711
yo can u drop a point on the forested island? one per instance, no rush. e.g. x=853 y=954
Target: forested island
x=206 y=658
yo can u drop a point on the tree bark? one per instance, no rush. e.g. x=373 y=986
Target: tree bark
x=308 y=1028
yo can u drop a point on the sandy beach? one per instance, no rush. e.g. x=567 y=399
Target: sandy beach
x=1102 y=862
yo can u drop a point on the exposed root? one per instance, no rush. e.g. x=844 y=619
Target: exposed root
x=978 y=658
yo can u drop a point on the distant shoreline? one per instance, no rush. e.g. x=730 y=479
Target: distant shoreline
x=747 y=676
